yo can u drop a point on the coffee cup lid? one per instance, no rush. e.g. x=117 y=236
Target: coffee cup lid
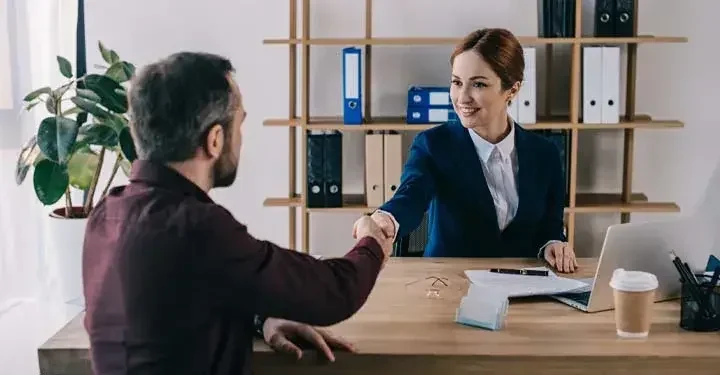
x=633 y=281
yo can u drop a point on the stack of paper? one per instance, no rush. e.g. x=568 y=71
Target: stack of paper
x=482 y=307
x=486 y=303
x=523 y=285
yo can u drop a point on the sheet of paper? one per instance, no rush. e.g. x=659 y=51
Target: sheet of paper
x=523 y=285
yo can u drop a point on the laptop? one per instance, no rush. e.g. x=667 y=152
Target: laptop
x=642 y=246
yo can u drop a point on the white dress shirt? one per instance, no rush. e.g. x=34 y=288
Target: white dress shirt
x=500 y=167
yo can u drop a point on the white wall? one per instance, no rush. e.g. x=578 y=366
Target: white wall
x=675 y=81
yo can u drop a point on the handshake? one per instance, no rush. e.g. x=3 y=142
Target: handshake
x=378 y=226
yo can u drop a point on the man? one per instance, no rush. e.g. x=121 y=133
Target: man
x=173 y=283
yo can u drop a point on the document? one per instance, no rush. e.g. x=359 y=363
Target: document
x=482 y=307
x=524 y=285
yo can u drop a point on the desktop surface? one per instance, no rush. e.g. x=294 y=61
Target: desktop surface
x=407 y=326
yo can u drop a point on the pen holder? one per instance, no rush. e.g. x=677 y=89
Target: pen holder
x=692 y=314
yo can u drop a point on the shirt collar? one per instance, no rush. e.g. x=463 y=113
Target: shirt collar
x=158 y=174
x=485 y=148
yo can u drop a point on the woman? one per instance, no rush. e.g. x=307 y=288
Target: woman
x=493 y=189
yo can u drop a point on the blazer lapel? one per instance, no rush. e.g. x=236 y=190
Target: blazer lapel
x=526 y=170
x=470 y=169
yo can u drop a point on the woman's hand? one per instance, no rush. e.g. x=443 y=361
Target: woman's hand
x=383 y=221
x=561 y=256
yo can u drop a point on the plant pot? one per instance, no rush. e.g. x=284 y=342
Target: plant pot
x=62 y=256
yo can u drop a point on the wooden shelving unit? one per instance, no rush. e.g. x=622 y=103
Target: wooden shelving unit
x=625 y=202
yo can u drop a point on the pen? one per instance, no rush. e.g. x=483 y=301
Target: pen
x=689 y=272
x=520 y=272
x=687 y=277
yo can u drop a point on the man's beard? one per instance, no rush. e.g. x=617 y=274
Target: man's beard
x=224 y=170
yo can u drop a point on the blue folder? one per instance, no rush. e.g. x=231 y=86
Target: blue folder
x=429 y=115
x=352 y=86
x=429 y=96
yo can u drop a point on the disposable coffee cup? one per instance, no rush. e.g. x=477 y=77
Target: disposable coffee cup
x=634 y=294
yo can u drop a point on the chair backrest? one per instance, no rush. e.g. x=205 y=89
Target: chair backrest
x=413 y=245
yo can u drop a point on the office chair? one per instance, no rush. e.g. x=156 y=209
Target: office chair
x=413 y=245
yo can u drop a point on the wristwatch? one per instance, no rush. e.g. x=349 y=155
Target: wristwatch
x=258 y=323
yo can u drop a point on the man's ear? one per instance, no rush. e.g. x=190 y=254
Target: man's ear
x=214 y=141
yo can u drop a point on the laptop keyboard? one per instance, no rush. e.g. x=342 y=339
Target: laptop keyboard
x=582 y=298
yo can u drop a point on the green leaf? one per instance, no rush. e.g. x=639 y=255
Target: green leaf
x=81 y=169
x=50 y=104
x=113 y=57
x=123 y=119
x=65 y=67
x=56 y=138
x=105 y=87
x=100 y=135
x=50 y=181
x=129 y=68
x=105 y=53
x=89 y=95
x=31 y=105
x=60 y=91
x=26 y=158
x=90 y=107
x=126 y=167
x=121 y=71
x=39 y=158
x=72 y=111
x=127 y=146
x=115 y=122
x=35 y=94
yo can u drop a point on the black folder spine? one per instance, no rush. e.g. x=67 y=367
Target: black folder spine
x=332 y=165
x=569 y=13
x=625 y=18
x=547 y=19
x=314 y=171
x=605 y=18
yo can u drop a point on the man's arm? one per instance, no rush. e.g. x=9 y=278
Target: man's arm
x=551 y=224
x=409 y=203
x=259 y=277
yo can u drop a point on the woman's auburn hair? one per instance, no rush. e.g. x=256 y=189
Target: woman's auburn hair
x=500 y=49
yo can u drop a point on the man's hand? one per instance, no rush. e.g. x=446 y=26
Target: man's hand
x=285 y=335
x=366 y=226
x=561 y=256
x=385 y=222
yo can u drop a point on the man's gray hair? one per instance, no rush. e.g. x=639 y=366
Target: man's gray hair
x=174 y=102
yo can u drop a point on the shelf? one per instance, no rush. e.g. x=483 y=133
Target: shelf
x=399 y=124
x=585 y=203
x=400 y=41
x=525 y=40
x=283 y=202
x=612 y=203
x=351 y=203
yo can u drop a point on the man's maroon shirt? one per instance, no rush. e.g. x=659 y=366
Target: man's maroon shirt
x=173 y=282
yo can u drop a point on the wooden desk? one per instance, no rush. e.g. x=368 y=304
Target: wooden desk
x=402 y=331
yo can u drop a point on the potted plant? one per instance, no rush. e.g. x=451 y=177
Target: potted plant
x=86 y=123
